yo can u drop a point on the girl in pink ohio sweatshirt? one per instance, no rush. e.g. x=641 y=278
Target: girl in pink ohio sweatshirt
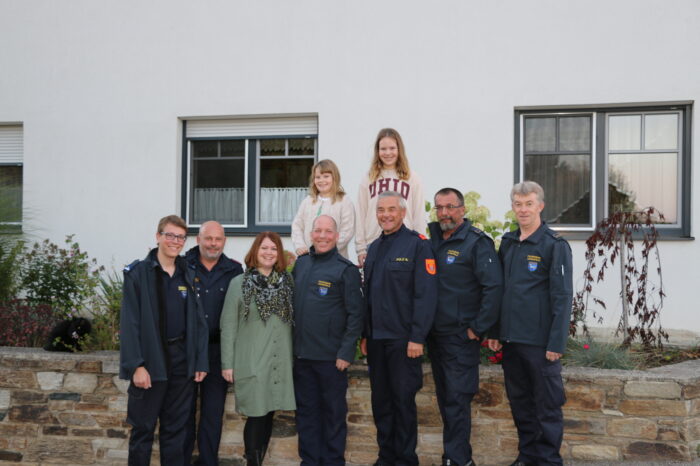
x=389 y=172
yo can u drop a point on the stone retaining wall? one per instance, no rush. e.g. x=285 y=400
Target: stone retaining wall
x=70 y=409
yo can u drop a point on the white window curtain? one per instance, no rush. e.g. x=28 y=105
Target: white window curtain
x=225 y=205
x=279 y=205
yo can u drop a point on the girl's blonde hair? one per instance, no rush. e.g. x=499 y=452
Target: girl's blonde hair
x=402 y=168
x=326 y=166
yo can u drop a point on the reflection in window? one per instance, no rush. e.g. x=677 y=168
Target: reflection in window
x=639 y=175
x=558 y=156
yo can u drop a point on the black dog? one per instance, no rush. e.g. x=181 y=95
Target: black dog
x=67 y=335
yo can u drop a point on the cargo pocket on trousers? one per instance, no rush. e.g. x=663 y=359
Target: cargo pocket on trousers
x=553 y=385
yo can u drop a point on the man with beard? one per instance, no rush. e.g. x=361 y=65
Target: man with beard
x=469 y=296
x=213 y=273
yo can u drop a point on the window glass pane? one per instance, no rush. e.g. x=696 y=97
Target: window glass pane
x=10 y=194
x=624 y=132
x=303 y=146
x=637 y=181
x=272 y=147
x=566 y=180
x=218 y=191
x=202 y=149
x=661 y=132
x=540 y=135
x=283 y=185
x=233 y=148
x=575 y=133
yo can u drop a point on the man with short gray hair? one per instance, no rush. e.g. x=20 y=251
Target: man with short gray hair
x=400 y=293
x=213 y=273
x=534 y=326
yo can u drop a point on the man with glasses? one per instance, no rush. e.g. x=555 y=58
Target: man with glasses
x=213 y=273
x=164 y=341
x=469 y=295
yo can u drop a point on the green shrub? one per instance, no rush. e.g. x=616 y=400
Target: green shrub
x=589 y=353
x=105 y=314
x=10 y=253
x=64 y=278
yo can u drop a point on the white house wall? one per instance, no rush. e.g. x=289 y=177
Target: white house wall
x=101 y=88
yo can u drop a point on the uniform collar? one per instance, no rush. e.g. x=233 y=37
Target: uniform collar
x=322 y=255
x=460 y=233
x=394 y=234
x=223 y=264
x=535 y=237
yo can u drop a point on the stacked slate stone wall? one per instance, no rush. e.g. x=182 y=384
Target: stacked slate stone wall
x=70 y=409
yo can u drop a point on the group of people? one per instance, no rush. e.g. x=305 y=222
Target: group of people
x=192 y=325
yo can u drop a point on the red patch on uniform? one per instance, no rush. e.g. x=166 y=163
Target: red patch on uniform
x=422 y=236
x=430 y=266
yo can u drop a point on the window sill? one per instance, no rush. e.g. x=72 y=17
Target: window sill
x=584 y=235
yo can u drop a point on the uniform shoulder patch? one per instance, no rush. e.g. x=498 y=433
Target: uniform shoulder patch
x=422 y=236
x=131 y=266
x=555 y=234
x=430 y=266
x=477 y=230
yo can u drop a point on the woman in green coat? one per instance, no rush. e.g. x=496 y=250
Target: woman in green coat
x=256 y=341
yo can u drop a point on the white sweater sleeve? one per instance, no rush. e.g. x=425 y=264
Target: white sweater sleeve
x=417 y=205
x=360 y=218
x=298 y=233
x=346 y=227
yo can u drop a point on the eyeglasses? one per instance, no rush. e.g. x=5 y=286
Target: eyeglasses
x=174 y=237
x=438 y=208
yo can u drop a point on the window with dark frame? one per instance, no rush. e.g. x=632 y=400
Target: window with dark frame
x=592 y=162
x=11 y=177
x=248 y=183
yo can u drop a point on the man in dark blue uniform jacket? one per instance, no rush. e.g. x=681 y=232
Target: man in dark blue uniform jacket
x=164 y=340
x=533 y=327
x=328 y=318
x=213 y=273
x=470 y=284
x=401 y=294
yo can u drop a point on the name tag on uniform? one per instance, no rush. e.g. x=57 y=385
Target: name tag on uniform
x=451 y=256
x=323 y=287
x=183 y=291
x=533 y=262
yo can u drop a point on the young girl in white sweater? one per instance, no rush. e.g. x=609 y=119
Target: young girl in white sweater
x=326 y=197
x=389 y=172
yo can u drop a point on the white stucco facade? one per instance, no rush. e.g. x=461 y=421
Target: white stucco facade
x=101 y=89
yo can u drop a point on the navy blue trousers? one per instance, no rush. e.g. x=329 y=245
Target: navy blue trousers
x=455 y=363
x=211 y=393
x=168 y=402
x=536 y=394
x=395 y=379
x=320 y=389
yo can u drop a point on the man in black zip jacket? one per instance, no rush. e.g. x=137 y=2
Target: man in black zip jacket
x=164 y=340
x=534 y=326
x=328 y=318
x=470 y=284
x=213 y=273
x=401 y=296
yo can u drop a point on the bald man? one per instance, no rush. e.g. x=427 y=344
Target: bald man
x=328 y=317
x=213 y=273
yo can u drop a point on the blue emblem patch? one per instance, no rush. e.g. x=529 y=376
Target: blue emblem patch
x=322 y=290
x=450 y=259
x=183 y=291
x=532 y=266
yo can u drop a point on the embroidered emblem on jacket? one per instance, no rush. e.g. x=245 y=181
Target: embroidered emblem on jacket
x=430 y=266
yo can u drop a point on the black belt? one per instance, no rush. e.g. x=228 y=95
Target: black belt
x=172 y=341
